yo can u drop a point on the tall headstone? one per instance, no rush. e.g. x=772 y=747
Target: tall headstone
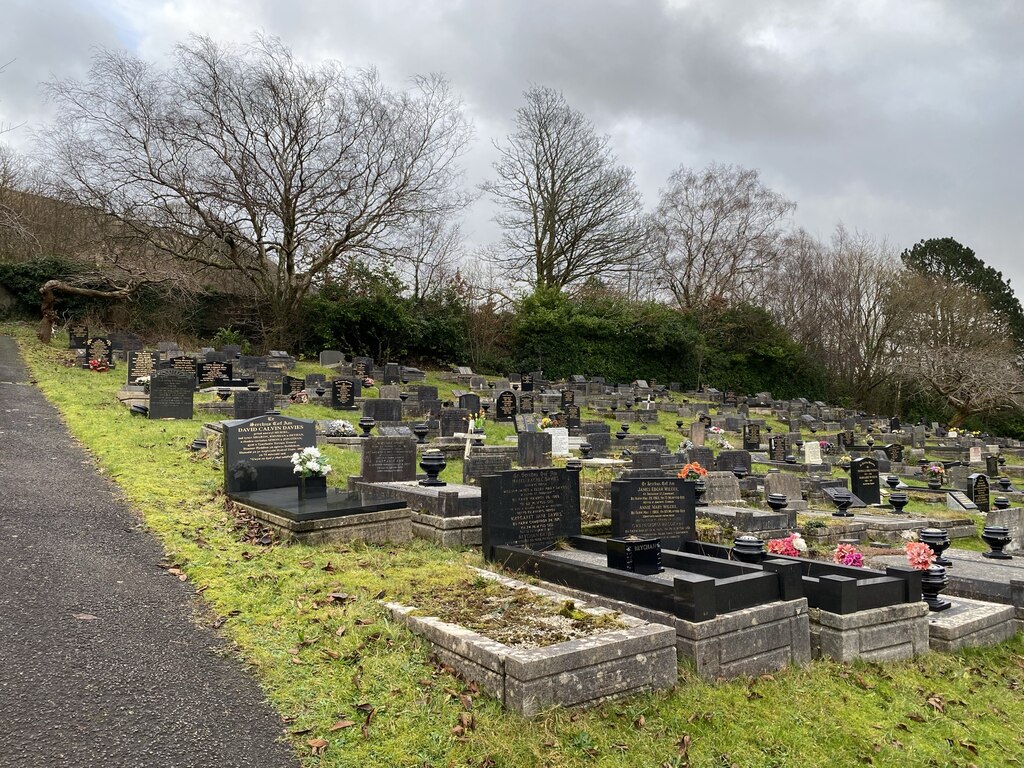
x=140 y=364
x=505 y=406
x=568 y=398
x=572 y=416
x=534 y=449
x=452 y=420
x=344 y=393
x=864 y=480
x=382 y=410
x=526 y=403
x=526 y=382
x=78 y=336
x=170 y=394
x=331 y=357
x=751 y=437
x=654 y=507
x=992 y=466
x=778 y=446
x=258 y=451
x=388 y=459
x=697 y=433
x=559 y=441
x=530 y=508
x=978 y=491
x=98 y=348
x=470 y=401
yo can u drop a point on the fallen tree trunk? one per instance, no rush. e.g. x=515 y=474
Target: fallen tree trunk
x=49 y=292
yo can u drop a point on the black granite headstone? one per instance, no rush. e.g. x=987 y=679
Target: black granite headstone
x=894 y=452
x=778 y=446
x=636 y=555
x=478 y=465
x=344 y=393
x=98 y=348
x=568 y=398
x=505 y=407
x=248 y=405
x=572 y=416
x=727 y=461
x=78 y=336
x=526 y=404
x=751 y=437
x=292 y=384
x=424 y=393
x=531 y=508
x=534 y=449
x=978 y=491
x=388 y=459
x=864 y=480
x=382 y=409
x=213 y=373
x=992 y=466
x=453 y=420
x=526 y=382
x=258 y=451
x=362 y=366
x=654 y=507
x=170 y=394
x=470 y=401
x=140 y=364
x=392 y=373
x=181 y=363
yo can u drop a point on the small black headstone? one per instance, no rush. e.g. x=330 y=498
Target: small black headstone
x=99 y=349
x=978 y=491
x=531 y=508
x=388 y=459
x=894 y=452
x=392 y=373
x=778 y=447
x=170 y=394
x=362 y=366
x=213 y=373
x=505 y=407
x=864 y=480
x=568 y=398
x=636 y=555
x=258 y=451
x=534 y=449
x=478 y=465
x=424 y=393
x=344 y=393
x=526 y=404
x=751 y=437
x=572 y=416
x=453 y=420
x=727 y=461
x=470 y=401
x=526 y=382
x=382 y=409
x=140 y=364
x=78 y=336
x=292 y=384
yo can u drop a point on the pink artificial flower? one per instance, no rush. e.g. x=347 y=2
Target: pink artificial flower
x=919 y=555
x=847 y=554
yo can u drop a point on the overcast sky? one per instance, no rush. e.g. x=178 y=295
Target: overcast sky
x=901 y=119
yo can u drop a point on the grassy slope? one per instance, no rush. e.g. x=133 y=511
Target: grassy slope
x=938 y=710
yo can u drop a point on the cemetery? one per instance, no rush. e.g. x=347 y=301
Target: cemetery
x=713 y=540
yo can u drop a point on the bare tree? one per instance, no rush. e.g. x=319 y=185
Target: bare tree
x=569 y=211
x=427 y=254
x=251 y=162
x=719 y=229
x=13 y=227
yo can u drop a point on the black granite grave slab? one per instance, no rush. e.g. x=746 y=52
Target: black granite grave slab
x=285 y=502
x=534 y=449
x=344 y=393
x=978 y=491
x=98 y=348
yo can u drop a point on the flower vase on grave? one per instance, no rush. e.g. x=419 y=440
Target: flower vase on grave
x=313 y=487
x=933 y=582
x=934 y=483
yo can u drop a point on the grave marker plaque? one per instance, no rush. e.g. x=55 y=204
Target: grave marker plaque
x=559 y=441
x=170 y=394
x=249 y=405
x=864 y=480
x=637 y=555
x=974 y=454
x=78 y=336
x=530 y=508
x=98 y=349
x=140 y=364
x=258 y=451
x=344 y=393
x=812 y=452
x=388 y=459
x=894 y=452
x=181 y=363
x=526 y=404
x=978 y=491
x=751 y=437
x=654 y=507
x=505 y=406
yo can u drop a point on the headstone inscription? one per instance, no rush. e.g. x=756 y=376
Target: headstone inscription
x=530 y=508
x=388 y=459
x=812 y=452
x=572 y=416
x=344 y=393
x=78 y=336
x=505 y=407
x=98 y=348
x=470 y=401
x=751 y=437
x=559 y=441
x=654 y=507
x=181 y=363
x=380 y=409
x=894 y=452
x=248 y=405
x=526 y=403
x=864 y=480
x=978 y=491
x=140 y=364
x=213 y=373
x=170 y=394
x=361 y=366
x=568 y=398
x=452 y=420
x=526 y=382
x=778 y=445
x=290 y=385
x=258 y=451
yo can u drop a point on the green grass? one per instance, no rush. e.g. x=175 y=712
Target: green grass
x=308 y=622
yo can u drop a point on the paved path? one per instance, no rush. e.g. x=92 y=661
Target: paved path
x=140 y=684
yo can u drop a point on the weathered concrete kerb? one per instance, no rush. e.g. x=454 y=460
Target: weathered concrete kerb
x=101 y=661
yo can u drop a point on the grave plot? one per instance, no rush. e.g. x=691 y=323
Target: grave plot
x=258 y=474
x=730 y=618
x=629 y=657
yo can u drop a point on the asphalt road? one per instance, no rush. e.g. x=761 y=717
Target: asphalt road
x=102 y=660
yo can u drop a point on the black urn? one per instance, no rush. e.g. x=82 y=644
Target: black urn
x=432 y=463
x=937 y=540
x=748 y=549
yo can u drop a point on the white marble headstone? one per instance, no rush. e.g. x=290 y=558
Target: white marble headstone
x=812 y=452
x=559 y=441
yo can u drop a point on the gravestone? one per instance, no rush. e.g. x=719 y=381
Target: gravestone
x=78 y=336
x=424 y=393
x=344 y=393
x=170 y=394
x=98 y=348
x=478 y=465
x=388 y=459
x=380 y=409
x=392 y=373
x=126 y=341
x=314 y=380
x=292 y=384
x=526 y=404
x=213 y=373
x=974 y=454
x=389 y=392
x=812 y=452
x=331 y=357
x=505 y=407
x=992 y=466
x=534 y=449
x=572 y=416
x=778 y=446
x=654 y=507
x=530 y=508
x=702 y=455
x=721 y=488
x=526 y=422
x=231 y=351
x=894 y=424
x=470 y=401
x=453 y=420
x=788 y=485
x=249 y=405
x=864 y=480
x=751 y=437
x=978 y=491
x=645 y=459
x=697 y=433
x=727 y=461
x=559 y=441
x=362 y=367
x=140 y=364
x=894 y=452
x=568 y=398
x=526 y=382
x=258 y=451
x=181 y=363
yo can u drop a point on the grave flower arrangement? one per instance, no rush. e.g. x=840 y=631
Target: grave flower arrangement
x=716 y=430
x=919 y=555
x=339 y=428
x=299 y=397
x=935 y=472
x=847 y=554
x=827 y=449
x=368 y=381
x=724 y=444
x=546 y=422
x=791 y=546
x=141 y=381
x=309 y=462
x=100 y=366
x=692 y=471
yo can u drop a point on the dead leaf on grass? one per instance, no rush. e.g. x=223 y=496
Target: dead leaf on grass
x=342 y=724
x=317 y=745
